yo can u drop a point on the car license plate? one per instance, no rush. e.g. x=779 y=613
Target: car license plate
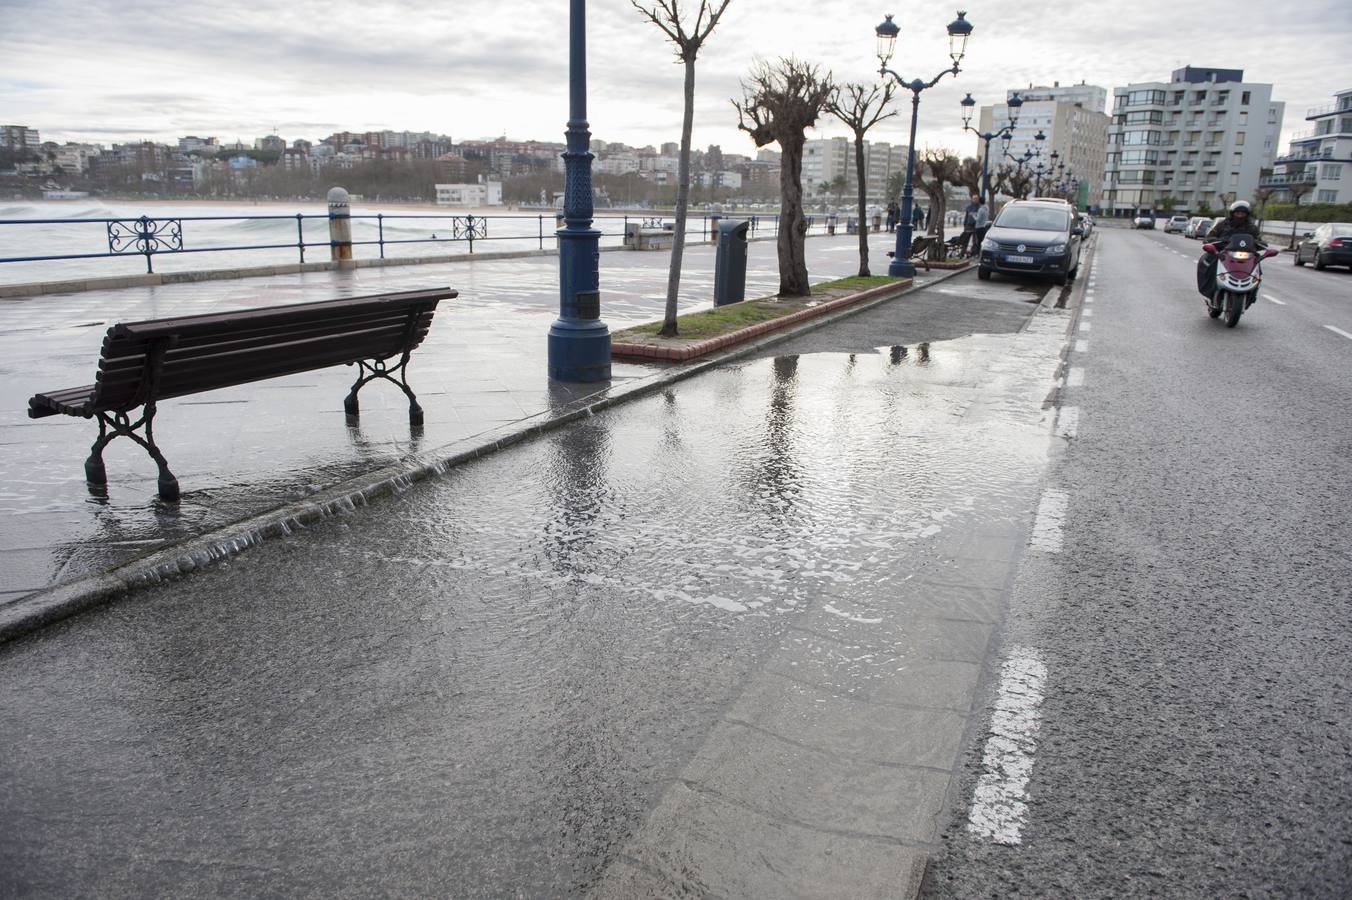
x=1018 y=259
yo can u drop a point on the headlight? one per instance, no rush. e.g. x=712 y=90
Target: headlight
x=1241 y=254
x=990 y=244
x=1056 y=248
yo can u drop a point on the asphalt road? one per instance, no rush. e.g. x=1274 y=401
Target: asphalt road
x=1173 y=715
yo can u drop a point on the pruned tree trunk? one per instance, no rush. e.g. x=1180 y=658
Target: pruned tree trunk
x=682 y=205
x=861 y=177
x=779 y=105
x=791 y=242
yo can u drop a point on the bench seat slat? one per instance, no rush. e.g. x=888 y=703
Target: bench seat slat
x=187 y=381
x=112 y=366
x=190 y=326
x=70 y=402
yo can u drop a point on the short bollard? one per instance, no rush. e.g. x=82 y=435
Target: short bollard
x=340 y=227
x=877 y=221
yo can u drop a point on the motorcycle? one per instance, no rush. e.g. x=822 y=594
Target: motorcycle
x=1238 y=274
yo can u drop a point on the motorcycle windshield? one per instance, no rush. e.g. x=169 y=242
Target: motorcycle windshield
x=1241 y=241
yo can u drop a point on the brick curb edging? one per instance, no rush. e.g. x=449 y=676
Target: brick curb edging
x=703 y=348
x=50 y=605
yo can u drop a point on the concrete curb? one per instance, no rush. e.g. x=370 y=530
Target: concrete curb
x=45 y=607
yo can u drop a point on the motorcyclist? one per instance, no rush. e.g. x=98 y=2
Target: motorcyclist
x=1238 y=220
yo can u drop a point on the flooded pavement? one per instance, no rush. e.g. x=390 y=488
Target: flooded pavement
x=251 y=448
x=723 y=638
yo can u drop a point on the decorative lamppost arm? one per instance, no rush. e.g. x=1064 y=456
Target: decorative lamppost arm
x=959 y=30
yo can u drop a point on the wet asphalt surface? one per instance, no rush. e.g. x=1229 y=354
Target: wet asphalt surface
x=1195 y=734
x=496 y=683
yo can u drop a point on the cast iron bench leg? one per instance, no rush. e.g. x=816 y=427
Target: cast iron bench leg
x=369 y=371
x=122 y=426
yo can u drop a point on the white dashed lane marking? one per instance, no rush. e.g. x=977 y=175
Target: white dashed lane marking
x=1068 y=421
x=1081 y=346
x=1000 y=801
x=1339 y=331
x=1075 y=378
x=1047 y=526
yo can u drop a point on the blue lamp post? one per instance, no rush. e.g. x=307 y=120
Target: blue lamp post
x=1005 y=134
x=959 y=30
x=579 y=342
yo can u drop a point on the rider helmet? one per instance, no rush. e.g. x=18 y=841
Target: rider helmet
x=1241 y=204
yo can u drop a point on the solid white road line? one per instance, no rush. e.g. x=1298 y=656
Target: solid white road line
x=1000 y=801
x=1339 y=331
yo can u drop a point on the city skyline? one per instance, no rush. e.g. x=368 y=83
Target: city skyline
x=158 y=71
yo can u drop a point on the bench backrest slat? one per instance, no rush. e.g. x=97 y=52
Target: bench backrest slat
x=206 y=352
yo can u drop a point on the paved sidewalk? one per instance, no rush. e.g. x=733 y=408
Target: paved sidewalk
x=240 y=451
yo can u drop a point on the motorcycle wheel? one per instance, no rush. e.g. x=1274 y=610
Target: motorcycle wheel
x=1234 y=308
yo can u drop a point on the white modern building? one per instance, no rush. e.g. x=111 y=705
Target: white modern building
x=826 y=159
x=1318 y=158
x=20 y=137
x=1074 y=126
x=1200 y=139
x=484 y=193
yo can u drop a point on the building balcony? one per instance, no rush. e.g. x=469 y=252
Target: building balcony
x=1304 y=155
x=1285 y=179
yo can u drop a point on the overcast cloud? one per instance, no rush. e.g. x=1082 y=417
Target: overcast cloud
x=143 y=69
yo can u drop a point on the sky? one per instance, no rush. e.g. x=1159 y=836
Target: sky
x=105 y=72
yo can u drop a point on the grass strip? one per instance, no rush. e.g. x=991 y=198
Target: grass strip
x=723 y=320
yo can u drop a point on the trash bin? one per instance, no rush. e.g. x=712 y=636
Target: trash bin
x=730 y=263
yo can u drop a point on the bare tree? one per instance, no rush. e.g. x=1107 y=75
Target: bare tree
x=936 y=168
x=854 y=104
x=779 y=104
x=1013 y=182
x=688 y=38
x=969 y=176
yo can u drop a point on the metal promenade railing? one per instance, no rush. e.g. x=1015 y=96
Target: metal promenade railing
x=161 y=235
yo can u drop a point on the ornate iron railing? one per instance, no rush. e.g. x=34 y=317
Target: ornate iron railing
x=152 y=236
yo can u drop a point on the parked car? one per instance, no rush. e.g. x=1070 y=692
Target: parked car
x=1190 y=230
x=1327 y=245
x=1144 y=221
x=1203 y=228
x=1176 y=224
x=1033 y=238
x=1086 y=222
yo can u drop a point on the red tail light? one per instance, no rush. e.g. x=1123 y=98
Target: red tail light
x=1336 y=242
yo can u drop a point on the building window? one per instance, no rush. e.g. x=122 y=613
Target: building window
x=1237 y=159
x=1332 y=173
x=1239 y=139
x=1327 y=197
x=1234 y=179
x=1244 y=98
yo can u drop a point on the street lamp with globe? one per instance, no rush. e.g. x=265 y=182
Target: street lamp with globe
x=959 y=30
x=1005 y=134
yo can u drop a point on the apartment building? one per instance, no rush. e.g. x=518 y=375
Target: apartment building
x=1318 y=158
x=19 y=138
x=826 y=159
x=1072 y=119
x=1203 y=137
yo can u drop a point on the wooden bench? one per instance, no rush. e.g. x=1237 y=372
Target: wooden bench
x=920 y=248
x=143 y=363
